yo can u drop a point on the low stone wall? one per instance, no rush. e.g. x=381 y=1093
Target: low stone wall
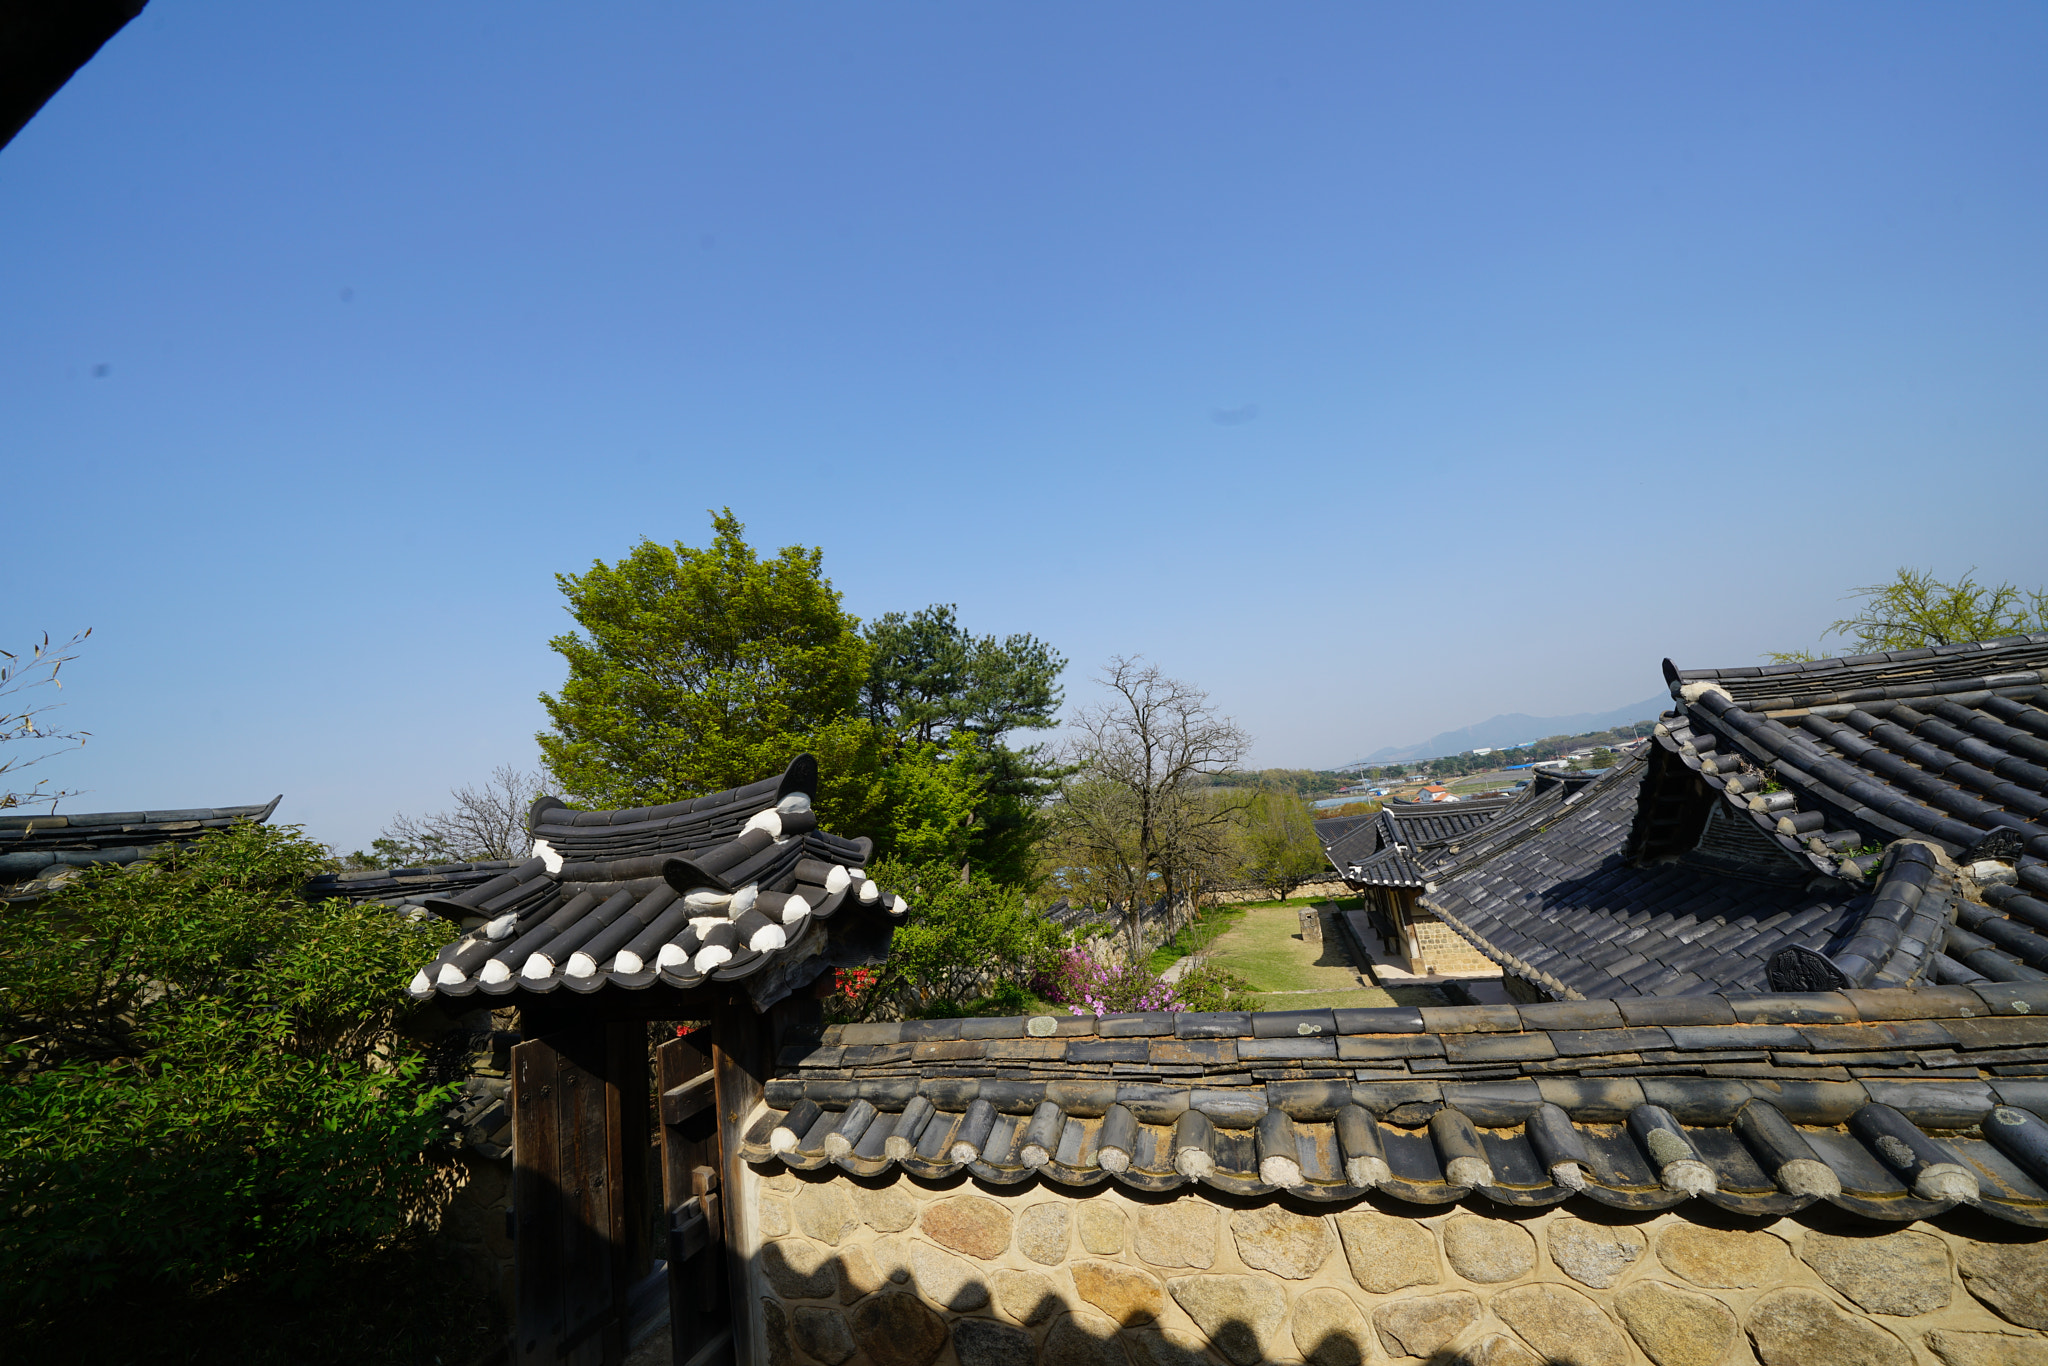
x=895 y=1273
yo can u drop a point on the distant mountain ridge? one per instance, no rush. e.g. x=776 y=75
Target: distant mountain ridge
x=1514 y=729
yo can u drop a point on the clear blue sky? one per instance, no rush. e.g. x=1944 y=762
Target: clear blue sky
x=1379 y=368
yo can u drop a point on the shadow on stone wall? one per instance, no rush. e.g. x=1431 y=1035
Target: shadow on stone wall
x=898 y=1273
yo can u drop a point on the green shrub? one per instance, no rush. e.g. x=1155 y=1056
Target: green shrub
x=965 y=948
x=203 y=1092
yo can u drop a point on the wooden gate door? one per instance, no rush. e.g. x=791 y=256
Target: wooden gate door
x=710 y=1083
x=579 y=1117
x=699 y=1299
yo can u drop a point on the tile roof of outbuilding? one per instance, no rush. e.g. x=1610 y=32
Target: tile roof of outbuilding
x=730 y=886
x=1892 y=1104
x=1820 y=806
x=32 y=846
x=1397 y=846
x=1550 y=894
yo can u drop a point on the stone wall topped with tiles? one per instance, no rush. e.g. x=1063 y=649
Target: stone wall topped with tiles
x=892 y=1272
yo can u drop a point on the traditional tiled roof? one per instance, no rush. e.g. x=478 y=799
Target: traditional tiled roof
x=1550 y=894
x=735 y=885
x=33 y=846
x=1873 y=821
x=1948 y=744
x=408 y=886
x=1398 y=846
x=1892 y=1104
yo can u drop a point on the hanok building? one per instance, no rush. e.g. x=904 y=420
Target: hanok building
x=722 y=916
x=1872 y=821
x=1389 y=858
x=1855 y=1174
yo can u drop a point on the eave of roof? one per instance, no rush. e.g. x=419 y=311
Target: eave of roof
x=739 y=885
x=1526 y=1105
x=30 y=844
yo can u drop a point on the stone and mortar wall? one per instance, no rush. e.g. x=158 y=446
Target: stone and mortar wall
x=1442 y=948
x=895 y=1273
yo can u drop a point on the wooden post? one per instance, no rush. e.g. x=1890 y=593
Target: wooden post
x=587 y=1179
x=539 y=1322
x=626 y=1143
x=739 y=1067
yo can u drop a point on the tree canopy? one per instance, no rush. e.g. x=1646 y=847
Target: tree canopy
x=1914 y=609
x=699 y=670
x=696 y=670
x=1280 y=848
x=931 y=682
x=1135 y=818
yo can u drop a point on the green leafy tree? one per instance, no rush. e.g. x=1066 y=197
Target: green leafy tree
x=963 y=945
x=204 y=1088
x=931 y=682
x=1915 y=609
x=697 y=670
x=1280 y=850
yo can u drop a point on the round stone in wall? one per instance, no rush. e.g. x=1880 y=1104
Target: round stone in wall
x=1386 y=1252
x=1025 y=1296
x=2010 y=1277
x=1901 y=1273
x=1562 y=1324
x=1488 y=1251
x=1799 y=1327
x=970 y=1224
x=1081 y=1340
x=1497 y=1350
x=775 y=1324
x=1180 y=1234
x=1424 y=1327
x=984 y=1342
x=824 y=1211
x=895 y=1330
x=774 y=1217
x=885 y=1209
x=1101 y=1225
x=1280 y=1241
x=1723 y=1259
x=858 y=1274
x=1594 y=1254
x=1126 y=1294
x=1165 y=1347
x=821 y=1333
x=1329 y=1330
x=1042 y=1233
x=1987 y=1349
x=1241 y=1315
x=799 y=1269
x=1676 y=1327
x=947 y=1281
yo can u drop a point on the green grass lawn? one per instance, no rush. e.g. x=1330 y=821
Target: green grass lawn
x=1262 y=943
x=1358 y=999
x=1265 y=947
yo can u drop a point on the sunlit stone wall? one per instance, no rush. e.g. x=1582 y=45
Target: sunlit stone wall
x=901 y=1274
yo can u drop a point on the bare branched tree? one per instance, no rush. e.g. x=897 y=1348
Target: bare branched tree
x=488 y=822
x=18 y=720
x=1134 y=812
